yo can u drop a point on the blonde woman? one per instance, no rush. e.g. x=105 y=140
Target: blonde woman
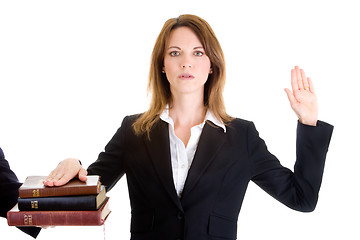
x=187 y=162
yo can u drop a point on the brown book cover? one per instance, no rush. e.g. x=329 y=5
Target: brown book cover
x=34 y=187
x=63 y=203
x=58 y=218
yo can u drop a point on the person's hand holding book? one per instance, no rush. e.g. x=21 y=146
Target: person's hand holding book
x=65 y=171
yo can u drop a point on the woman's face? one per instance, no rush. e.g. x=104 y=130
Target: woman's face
x=185 y=63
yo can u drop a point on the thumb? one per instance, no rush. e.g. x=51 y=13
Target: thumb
x=82 y=175
x=291 y=97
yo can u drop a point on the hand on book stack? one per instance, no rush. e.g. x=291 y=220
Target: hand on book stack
x=76 y=203
x=65 y=171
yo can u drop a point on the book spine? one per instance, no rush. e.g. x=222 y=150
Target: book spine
x=54 y=218
x=79 y=203
x=57 y=191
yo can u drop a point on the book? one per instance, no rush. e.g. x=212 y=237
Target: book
x=34 y=187
x=58 y=218
x=70 y=203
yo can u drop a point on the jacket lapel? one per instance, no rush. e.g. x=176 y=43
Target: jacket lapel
x=159 y=150
x=211 y=140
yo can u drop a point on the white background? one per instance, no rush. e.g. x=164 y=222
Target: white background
x=71 y=70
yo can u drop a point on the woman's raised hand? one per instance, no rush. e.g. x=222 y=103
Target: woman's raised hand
x=303 y=99
x=65 y=171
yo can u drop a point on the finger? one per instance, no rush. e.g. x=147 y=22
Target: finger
x=51 y=175
x=311 y=85
x=57 y=178
x=294 y=83
x=291 y=97
x=299 y=78
x=49 y=181
x=59 y=174
x=54 y=176
x=304 y=80
x=63 y=180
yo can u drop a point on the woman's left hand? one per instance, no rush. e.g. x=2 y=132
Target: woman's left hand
x=303 y=99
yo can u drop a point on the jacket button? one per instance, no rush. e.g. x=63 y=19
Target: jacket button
x=180 y=215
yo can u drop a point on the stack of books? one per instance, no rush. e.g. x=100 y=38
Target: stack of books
x=73 y=204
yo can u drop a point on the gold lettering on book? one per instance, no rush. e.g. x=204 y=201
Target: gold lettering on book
x=34 y=204
x=28 y=219
x=36 y=193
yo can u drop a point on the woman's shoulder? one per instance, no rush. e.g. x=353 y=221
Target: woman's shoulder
x=238 y=126
x=240 y=122
x=132 y=118
x=128 y=122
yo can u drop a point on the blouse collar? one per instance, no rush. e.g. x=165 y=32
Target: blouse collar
x=208 y=117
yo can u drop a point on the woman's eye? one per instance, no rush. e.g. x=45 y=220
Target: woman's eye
x=173 y=54
x=198 y=53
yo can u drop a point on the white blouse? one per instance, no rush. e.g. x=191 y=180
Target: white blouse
x=181 y=156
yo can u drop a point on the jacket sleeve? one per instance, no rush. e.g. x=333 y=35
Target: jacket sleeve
x=109 y=165
x=299 y=189
x=9 y=185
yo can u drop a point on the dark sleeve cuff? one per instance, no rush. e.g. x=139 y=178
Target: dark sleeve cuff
x=318 y=124
x=320 y=134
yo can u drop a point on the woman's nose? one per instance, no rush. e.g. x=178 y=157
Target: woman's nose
x=186 y=62
x=187 y=65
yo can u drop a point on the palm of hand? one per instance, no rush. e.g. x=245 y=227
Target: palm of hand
x=303 y=99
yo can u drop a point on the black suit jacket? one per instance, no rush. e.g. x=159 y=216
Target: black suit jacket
x=223 y=165
x=9 y=185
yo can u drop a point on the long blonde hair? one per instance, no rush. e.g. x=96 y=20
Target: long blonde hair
x=159 y=86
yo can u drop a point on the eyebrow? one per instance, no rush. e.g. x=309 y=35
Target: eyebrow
x=180 y=48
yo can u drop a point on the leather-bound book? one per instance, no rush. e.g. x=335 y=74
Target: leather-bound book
x=69 y=203
x=33 y=187
x=58 y=218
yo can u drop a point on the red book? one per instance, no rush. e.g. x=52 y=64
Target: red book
x=58 y=218
x=34 y=187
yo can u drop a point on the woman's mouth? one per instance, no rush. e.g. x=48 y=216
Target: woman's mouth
x=186 y=76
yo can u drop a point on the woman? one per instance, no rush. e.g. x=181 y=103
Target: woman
x=187 y=162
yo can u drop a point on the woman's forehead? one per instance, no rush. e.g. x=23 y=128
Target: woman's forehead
x=183 y=36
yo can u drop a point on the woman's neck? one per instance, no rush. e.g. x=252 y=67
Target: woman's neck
x=187 y=112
